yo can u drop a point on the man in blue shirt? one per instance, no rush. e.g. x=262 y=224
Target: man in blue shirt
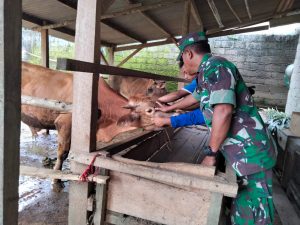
x=194 y=117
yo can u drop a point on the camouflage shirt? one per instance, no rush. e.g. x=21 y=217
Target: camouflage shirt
x=248 y=147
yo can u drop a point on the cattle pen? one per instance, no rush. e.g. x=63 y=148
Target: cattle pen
x=134 y=178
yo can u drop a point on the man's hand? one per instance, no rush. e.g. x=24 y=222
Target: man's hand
x=162 y=107
x=209 y=161
x=161 y=121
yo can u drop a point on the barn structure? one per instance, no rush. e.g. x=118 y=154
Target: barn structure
x=119 y=25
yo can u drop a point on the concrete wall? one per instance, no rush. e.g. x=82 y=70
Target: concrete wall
x=261 y=59
x=293 y=102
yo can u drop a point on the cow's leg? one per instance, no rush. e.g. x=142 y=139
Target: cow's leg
x=63 y=125
x=34 y=131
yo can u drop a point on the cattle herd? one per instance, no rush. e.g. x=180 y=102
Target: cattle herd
x=130 y=107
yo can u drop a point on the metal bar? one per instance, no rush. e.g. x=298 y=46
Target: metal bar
x=86 y=67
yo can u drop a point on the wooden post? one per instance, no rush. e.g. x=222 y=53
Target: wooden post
x=113 y=81
x=85 y=88
x=45 y=47
x=10 y=108
x=185 y=26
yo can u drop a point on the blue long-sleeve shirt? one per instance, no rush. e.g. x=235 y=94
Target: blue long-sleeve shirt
x=194 y=117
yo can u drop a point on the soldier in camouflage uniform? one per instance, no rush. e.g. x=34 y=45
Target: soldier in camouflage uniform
x=237 y=130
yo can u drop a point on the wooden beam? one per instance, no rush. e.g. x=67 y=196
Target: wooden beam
x=103 y=58
x=45 y=48
x=215 y=12
x=47 y=103
x=40 y=22
x=215 y=208
x=285 y=20
x=71 y=4
x=57 y=174
x=146 y=45
x=188 y=182
x=10 y=108
x=192 y=169
x=248 y=9
x=196 y=15
x=85 y=106
x=238 y=31
x=86 y=67
x=124 y=12
x=129 y=57
x=138 y=9
x=159 y=27
x=233 y=11
x=124 y=31
x=186 y=18
x=54 y=25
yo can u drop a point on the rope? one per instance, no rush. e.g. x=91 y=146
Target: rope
x=89 y=170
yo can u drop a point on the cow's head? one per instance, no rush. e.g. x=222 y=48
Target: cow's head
x=156 y=89
x=142 y=112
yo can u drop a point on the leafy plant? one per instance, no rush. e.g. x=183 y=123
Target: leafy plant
x=276 y=119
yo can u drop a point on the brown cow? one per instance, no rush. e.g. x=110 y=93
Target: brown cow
x=132 y=86
x=42 y=82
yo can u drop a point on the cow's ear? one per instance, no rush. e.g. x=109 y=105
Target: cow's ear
x=129 y=120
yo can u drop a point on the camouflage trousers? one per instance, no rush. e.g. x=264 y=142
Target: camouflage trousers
x=254 y=203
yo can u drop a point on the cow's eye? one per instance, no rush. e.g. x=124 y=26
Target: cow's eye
x=149 y=110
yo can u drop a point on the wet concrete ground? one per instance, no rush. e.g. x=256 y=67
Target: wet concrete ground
x=38 y=204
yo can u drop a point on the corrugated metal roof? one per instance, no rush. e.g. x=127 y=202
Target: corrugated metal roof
x=126 y=29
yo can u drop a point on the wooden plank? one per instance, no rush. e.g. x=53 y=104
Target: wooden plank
x=101 y=200
x=85 y=90
x=47 y=103
x=45 y=48
x=215 y=208
x=129 y=57
x=78 y=197
x=217 y=184
x=57 y=174
x=215 y=12
x=233 y=11
x=146 y=148
x=285 y=20
x=10 y=108
x=196 y=15
x=146 y=45
x=157 y=202
x=158 y=26
x=124 y=31
x=87 y=67
x=239 y=31
x=120 y=146
x=103 y=58
x=186 y=18
x=248 y=9
x=287 y=214
x=192 y=169
x=160 y=4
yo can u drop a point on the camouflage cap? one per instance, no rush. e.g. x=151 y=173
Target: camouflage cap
x=190 y=39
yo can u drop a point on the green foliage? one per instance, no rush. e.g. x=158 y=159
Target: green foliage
x=159 y=60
